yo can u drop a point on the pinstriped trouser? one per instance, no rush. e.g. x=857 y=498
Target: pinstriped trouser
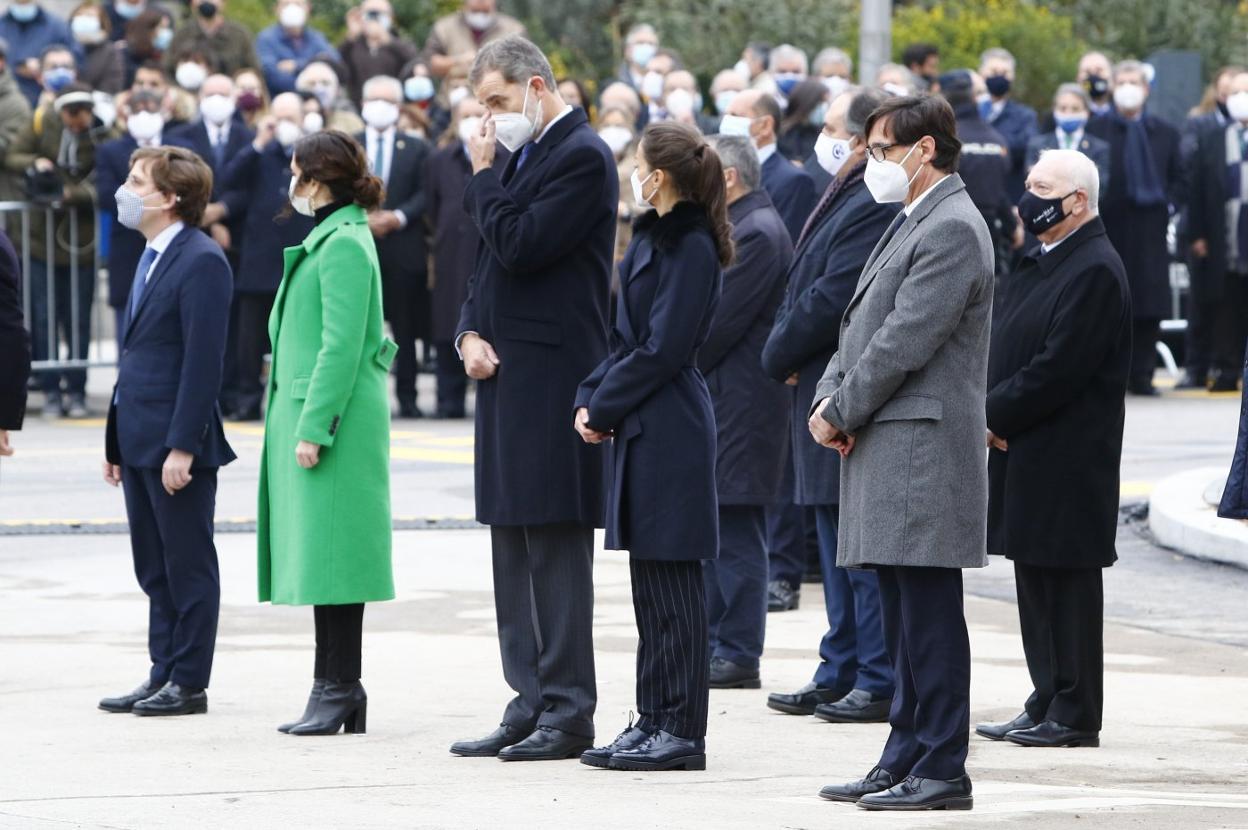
x=673 y=659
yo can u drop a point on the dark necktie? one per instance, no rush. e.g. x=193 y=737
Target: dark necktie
x=898 y=221
x=218 y=149
x=140 y=278
x=524 y=154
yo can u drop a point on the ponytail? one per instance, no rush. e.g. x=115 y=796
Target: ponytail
x=712 y=195
x=697 y=174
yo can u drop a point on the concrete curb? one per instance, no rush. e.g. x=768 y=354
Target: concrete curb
x=1183 y=515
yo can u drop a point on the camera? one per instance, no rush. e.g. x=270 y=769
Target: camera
x=44 y=185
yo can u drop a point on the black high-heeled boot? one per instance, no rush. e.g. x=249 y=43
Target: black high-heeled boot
x=318 y=686
x=340 y=706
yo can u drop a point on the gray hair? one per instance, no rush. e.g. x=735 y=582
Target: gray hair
x=865 y=101
x=1130 y=65
x=832 y=57
x=515 y=58
x=384 y=80
x=786 y=50
x=1079 y=170
x=889 y=68
x=738 y=152
x=1073 y=89
x=997 y=53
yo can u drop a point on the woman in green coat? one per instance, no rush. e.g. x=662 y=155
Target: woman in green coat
x=324 y=513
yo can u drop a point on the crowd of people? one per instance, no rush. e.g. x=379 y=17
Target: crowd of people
x=757 y=333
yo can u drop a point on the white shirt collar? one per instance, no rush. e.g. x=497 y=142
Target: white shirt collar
x=1045 y=247
x=910 y=207
x=386 y=133
x=567 y=108
x=165 y=237
x=767 y=152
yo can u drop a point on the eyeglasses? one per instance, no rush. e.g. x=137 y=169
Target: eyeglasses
x=879 y=151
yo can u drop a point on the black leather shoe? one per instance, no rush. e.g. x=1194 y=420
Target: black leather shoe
x=489 y=746
x=547 y=744
x=341 y=706
x=916 y=793
x=877 y=781
x=859 y=706
x=1193 y=379
x=726 y=674
x=125 y=703
x=804 y=700
x=173 y=699
x=998 y=731
x=662 y=751
x=410 y=411
x=781 y=596
x=318 y=686
x=1050 y=733
x=600 y=756
x=1225 y=382
x=1143 y=390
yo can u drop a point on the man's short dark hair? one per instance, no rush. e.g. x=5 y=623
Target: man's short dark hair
x=917 y=54
x=911 y=117
x=766 y=105
x=180 y=173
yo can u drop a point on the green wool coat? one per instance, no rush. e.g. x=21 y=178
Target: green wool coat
x=324 y=533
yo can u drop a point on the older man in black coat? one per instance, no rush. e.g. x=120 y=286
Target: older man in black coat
x=1061 y=351
x=1145 y=179
x=752 y=413
x=14 y=346
x=854 y=680
x=533 y=327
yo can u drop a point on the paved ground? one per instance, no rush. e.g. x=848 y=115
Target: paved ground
x=1175 y=751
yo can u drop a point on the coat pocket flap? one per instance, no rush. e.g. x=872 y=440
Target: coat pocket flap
x=910 y=408
x=299 y=388
x=385 y=353
x=548 y=332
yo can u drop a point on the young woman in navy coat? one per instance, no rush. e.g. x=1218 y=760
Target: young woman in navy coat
x=650 y=399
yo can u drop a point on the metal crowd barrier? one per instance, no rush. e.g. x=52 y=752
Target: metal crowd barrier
x=16 y=217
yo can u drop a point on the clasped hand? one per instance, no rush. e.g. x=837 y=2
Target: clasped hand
x=826 y=435
x=580 y=422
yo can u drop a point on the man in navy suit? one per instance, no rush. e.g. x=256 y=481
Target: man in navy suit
x=164 y=441
x=533 y=326
x=145 y=125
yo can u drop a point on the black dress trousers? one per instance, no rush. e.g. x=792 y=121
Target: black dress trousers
x=925 y=630
x=339 y=641
x=252 y=343
x=1061 y=614
x=673 y=657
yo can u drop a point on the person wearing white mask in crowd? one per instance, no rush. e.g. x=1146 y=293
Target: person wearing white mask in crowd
x=682 y=101
x=226 y=44
x=640 y=45
x=192 y=69
x=1146 y=171
x=853 y=681
x=788 y=67
x=398 y=159
x=454 y=39
x=724 y=87
x=895 y=79
x=835 y=68
x=290 y=44
x=616 y=127
x=319 y=78
x=454 y=247
x=103 y=67
x=752 y=66
x=619 y=95
x=423 y=111
x=664 y=62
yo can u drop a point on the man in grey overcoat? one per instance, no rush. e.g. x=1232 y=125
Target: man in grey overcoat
x=902 y=400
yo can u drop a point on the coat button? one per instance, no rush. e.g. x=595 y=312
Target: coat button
x=840 y=375
x=845 y=321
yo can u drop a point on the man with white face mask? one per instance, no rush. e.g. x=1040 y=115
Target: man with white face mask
x=1145 y=179
x=533 y=327
x=398 y=159
x=207 y=32
x=756 y=115
x=902 y=401
x=260 y=172
x=289 y=45
x=854 y=680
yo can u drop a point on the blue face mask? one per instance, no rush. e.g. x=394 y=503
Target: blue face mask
x=129 y=11
x=418 y=88
x=162 y=39
x=1072 y=123
x=25 y=12
x=785 y=81
x=58 y=78
x=818 y=114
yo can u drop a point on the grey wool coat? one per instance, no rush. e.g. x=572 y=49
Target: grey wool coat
x=908 y=381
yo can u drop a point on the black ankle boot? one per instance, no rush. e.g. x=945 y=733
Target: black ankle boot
x=318 y=686
x=341 y=706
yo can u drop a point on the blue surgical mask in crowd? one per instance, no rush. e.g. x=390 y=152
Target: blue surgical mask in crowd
x=998 y=85
x=127 y=10
x=723 y=100
x=418 y=88
x=785 y=81
x=24 y=12
x=163 y=38
x=58 y=77
x=641 y=53
x=130 y=206
x=818 y=114
x=1071 y=123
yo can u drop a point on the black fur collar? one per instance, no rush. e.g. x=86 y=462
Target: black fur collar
x=666 y=231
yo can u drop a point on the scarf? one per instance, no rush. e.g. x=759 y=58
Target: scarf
x=1144 y=187
x=838 y=184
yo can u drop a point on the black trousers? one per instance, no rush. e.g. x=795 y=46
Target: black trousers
x=229 y=366
x=339 y=641
x=792 y=542
x=252 y=341
x=925 y=630
x=1144 y=334
x=1061 y=614
x=407 y=309
x=736 y=586
x=544 y=600
x=673 y=661
x=175 y=561
x=452 y=382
